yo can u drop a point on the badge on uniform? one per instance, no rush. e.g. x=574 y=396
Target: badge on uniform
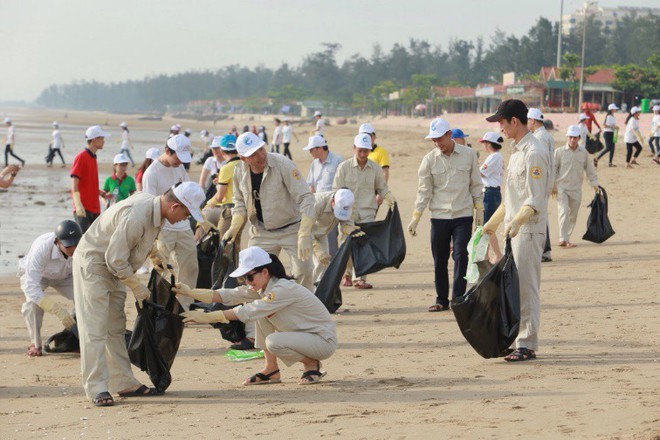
x=270 y=297
x=295 y=174
x=536 y=172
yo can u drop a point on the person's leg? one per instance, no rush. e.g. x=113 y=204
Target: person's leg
x=574 y=199
x=638 y=149
x=300 y=270
x=629 y=149
x=319 y=268
x=461 y=232
x=651 y=146
x=7 y=148
x=286 y=150
x=332 y=241
x=263 y=329
x=292 y=347
x=128 y=154
x=607 y=137
x=563 y=214
x=440 y=239
x=11 y=151
x=185 y=254
x=83 y=222
x=33 y=315
x=547 y=248
x=612 y=149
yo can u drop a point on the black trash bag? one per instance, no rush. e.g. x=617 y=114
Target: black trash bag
x=489 y=313
x=599 y=227
x=383 y=246
x=594 y=144
x=224 y=263
x=65 y=341
x=207 y=249
x=328 y=290
x=233 y=331
x=157 y=332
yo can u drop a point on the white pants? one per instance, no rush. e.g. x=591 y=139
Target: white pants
x=292 y=347
x=179 y=248
x=568 y=205
x=527 y=250
x=34 y=315
x=319 y=268
x=100 y=301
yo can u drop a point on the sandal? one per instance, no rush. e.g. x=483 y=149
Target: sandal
x=103 y=399
x=264 y=379
x=521 y=354
x=143 y=390
x=311 y=377
x=33 y=351
x=361 y=284
x=438 y=308
x=347 y=282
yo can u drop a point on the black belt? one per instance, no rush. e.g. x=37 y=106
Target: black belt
x=492 y=187
x=283 y=227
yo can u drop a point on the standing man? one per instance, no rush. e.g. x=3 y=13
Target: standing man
x=524 y=211
x=591 y=119
x=450 y=184
x=378 y=154
x=104 y=264
x=9 y=143
x=535 y=124
x=287 y=132
x=269 y=192
x=126 y=145
x=56 y=146
x=277 y=137
x=365 y=179
x=176 y=242
x=320 y=123
x=48 y=264
x=571 y=163
x=85 y=179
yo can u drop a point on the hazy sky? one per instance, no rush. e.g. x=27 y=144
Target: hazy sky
x=58 y=41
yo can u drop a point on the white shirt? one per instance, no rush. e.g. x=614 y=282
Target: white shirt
x=213 y=165
x=10 y=135
x=208 y=140
x=125 y=141
x=43 y=260
x=321 y=175
x=583 y=134
x=320 y=125
x=57 y=140
x=277 y=135
x=492 y=170
x=287 y=131
x=656 y=125
x=631 y=127
x=609 y=120
x=158 y=179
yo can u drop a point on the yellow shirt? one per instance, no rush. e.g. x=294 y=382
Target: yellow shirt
x=380 y=156
x=226 y=177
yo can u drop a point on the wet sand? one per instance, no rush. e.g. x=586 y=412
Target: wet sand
x=399 y=371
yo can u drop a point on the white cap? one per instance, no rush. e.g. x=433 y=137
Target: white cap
x=438 y=128
x=7 y=120
x=493 y=137
x=535 y=113
x=634 y=110
x=315 y=142
x=123 y=124
x=95 y=131
x=249 y=259
x=363 y=141
x=216 y=142
x=172 y=128
x=344 y=200
x=247 y=144
x=366 y=128
x=192 y=196
x=56 y=124
x=180 y=144
x=203 y=133
x=656 y=108
x=152 y=153
x=583 y=116
x=177 y=126
x=120 y=158
x=574 y=131
x=317 y=113
x=285 y=119
x=187 y=130
x=612 y=107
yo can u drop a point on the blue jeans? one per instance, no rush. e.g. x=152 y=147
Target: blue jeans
x=492 y=200
x=444 y=232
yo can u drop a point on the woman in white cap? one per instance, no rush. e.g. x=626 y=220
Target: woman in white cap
x=120 y=185
x=654 y=140
x=584 y=130
x=126 y=144
x=608 y=134
x=151 y=155
x=292 y=324
x=212 y=164
x=492 y=172
x=55 y=146
x=633 y=138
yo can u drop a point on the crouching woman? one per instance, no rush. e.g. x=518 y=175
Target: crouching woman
x=292 y=325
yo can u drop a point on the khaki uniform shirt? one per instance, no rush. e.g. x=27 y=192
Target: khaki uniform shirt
x=288 y=306
x=284 y=194
x=450 y=185
x=549 y=143
x=365 y=183
x=119 y=241
x=527 y=183
x=570 y=167
x=325 y=216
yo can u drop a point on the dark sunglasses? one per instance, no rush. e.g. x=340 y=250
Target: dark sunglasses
x=250 y=276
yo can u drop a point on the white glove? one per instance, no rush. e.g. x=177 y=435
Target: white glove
x=139 y=290
x=305 y=238
x=202 y=317
x=77 y=202
x=48 y=305
x=203 y=295
x=412 y=226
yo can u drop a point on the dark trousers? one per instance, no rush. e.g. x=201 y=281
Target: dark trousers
x=629 y=150
x=9 y=151
x=492 y=200
x=51 y=155
x=286 y=150
x=85 y=222
x=608 y=137
x=654 y=144
x=547 y=247
x=444 y=232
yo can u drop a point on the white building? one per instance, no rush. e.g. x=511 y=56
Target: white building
x=607 y=16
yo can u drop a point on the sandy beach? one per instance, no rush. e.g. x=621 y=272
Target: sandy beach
x=399 y=371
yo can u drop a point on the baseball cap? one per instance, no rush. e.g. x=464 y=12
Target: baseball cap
x=187 y=131
x=248 y=143
x=535 y=113
x=574 y=131
x=192 y=196
x=56 y=124
x=438 y=128
x=344 y=200
x=583 y=116
x=172 y=128
x=120 y=158
x=315 y=141
x=203 y=133
x=152 y=153
x=457 y=133
x=228 y=142
x=123 y=124
x=511 y=108
x=180 y=144
x=656 y=108
x=216 y=142
x=634 y=110
x=95 y=131
x=612 y=107
x=249 y=259
x=7 y=120
x=363 y=141
x=366 y=128
x=177 y=126
x=317 y=113
x=491 y=136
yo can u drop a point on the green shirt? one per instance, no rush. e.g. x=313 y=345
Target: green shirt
x=120 y=189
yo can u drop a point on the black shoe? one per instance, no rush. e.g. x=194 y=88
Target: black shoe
x=546 y=259
x=245 y=344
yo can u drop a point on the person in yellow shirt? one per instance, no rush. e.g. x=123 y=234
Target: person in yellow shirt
x=378 y=154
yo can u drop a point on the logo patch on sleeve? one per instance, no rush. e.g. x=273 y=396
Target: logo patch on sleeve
x=536 y=172
x=295 y=174
x=270 y=297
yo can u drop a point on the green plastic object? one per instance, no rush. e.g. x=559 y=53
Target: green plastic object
x=243 y=355
x=615 y=139
x=477 y=250
x=646 y=105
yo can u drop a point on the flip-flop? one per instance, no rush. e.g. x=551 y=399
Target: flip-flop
x=521 y=354
x=143 y=390
x=264 y=379
x=361 y=284
x=103 y=399
x=438 y=308
x=33 y=351
x=311 y=377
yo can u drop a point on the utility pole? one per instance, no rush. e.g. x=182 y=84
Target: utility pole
x=584 y=40
x=561 y=19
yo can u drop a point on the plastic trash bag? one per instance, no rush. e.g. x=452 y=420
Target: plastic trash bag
x=157 y=332
x=594 y=144
x=489 y=313
x=207 y=249
x=65 y=341
x=244 y=355
x=599 y=227
x=233 y=331
x=224 y=263
x=477 y=250
x=328 y=290
x=383 y=246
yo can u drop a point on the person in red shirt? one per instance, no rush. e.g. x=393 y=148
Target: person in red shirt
x=85 y=179
x=591 y=118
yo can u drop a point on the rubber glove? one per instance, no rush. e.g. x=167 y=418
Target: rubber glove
x=479 y=214
x=202 y=317
x=495 y=220
x=389 y=199
x=351 y=229
x=412 y=226
x=77 y=202
x=237 y=222
x=139 y=290
x=50 y=306
x=321 y=254
x=157 y=259
x=305 y=238
x=203 y=295
x=596 y=187
x=206 y=226
x=522 y=217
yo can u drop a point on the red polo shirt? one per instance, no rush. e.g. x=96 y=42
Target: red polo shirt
x=86 y=170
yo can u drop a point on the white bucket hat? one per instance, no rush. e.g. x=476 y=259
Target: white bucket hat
x=250 y=258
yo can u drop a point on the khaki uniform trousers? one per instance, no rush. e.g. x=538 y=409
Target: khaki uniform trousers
x=34 y=315
x=292 y=347
x=349 y=265
x=178 y=247
x=100 y=301
x=568 y=205
x=527 y=250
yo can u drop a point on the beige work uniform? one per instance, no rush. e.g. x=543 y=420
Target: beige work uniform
x=114 y=247
x=570 y=167
x=291 y=322
x=365 y=183
x=325 y=222
x=284 y=197
x=549 y=145
x=527 y=184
